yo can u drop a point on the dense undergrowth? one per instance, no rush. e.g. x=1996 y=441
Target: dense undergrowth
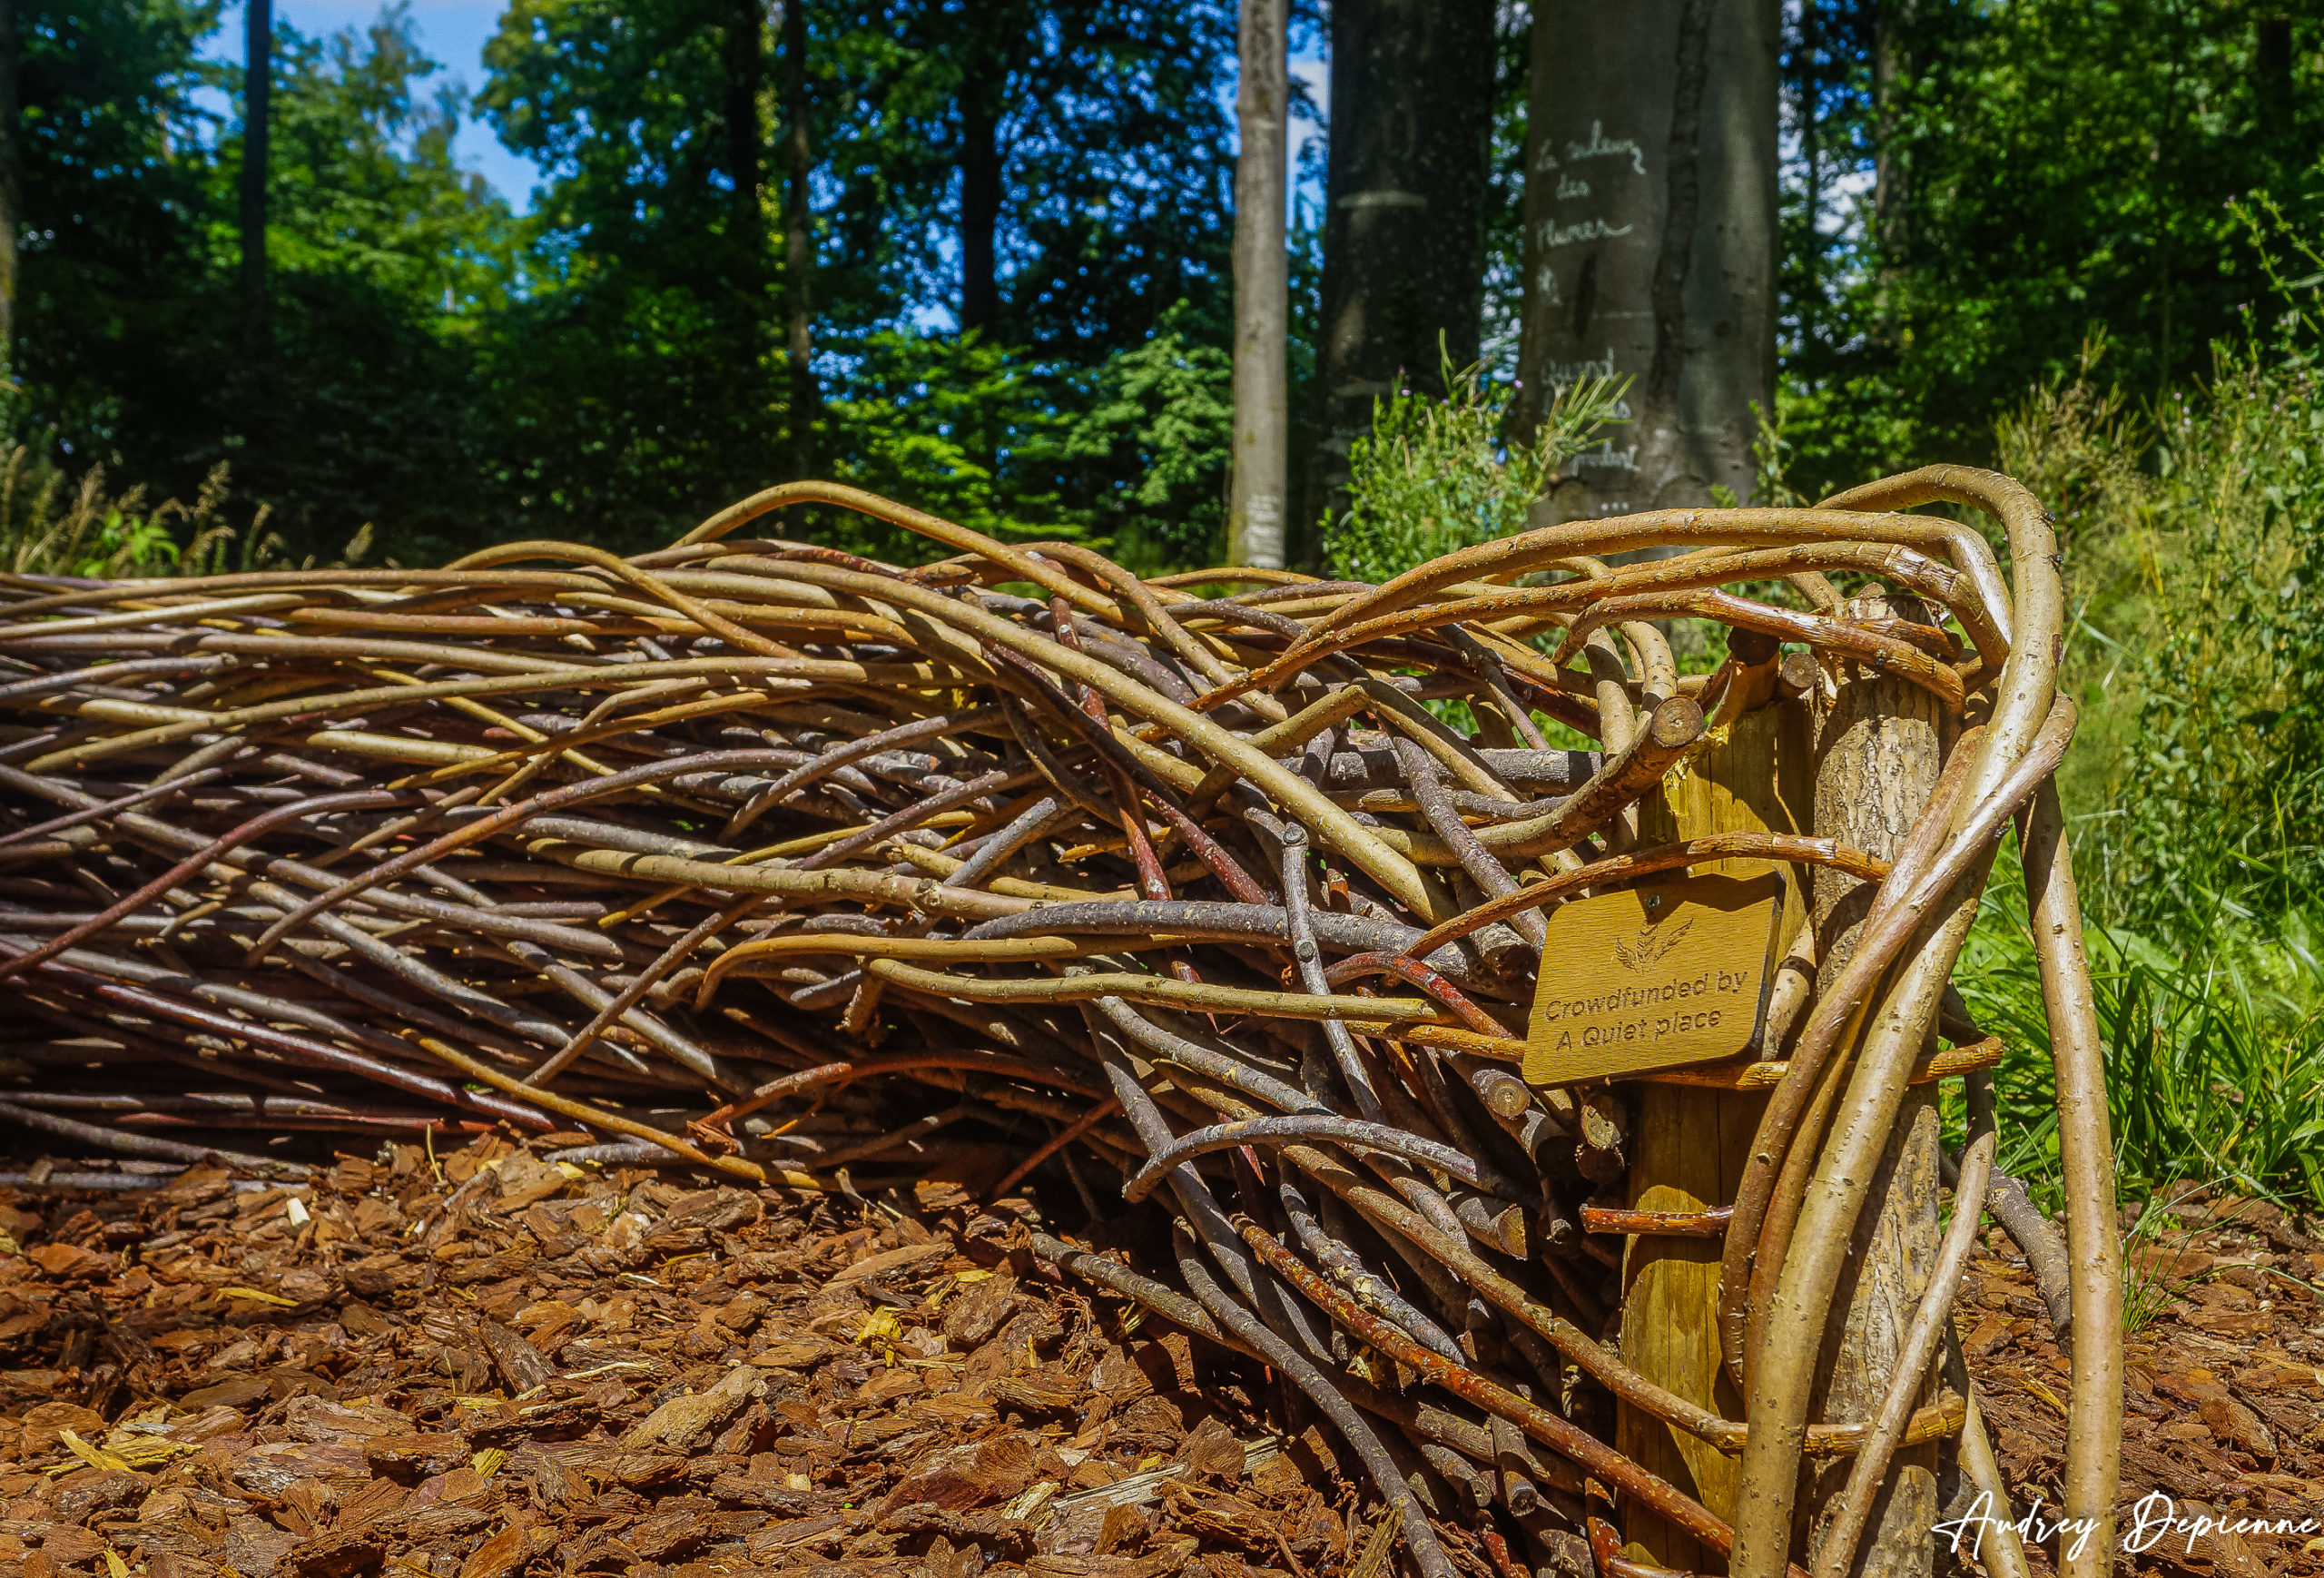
x=1435 y=475
x=2195 y=531
x=53 y=525
x=2194 y=537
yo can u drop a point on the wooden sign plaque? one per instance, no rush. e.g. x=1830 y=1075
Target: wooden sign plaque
x=1653 y=977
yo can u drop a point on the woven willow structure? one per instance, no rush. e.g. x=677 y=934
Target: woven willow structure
x=1182 y=890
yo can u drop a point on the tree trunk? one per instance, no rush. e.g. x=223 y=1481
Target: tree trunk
x=258 y=83
x=9 y=134
x=799 y=242
x=980 y=175
x=1650 y=240
x=1879 y=745
x=1889 y=21
x=1262 y=290
x=1811 y=160
x=2271 y=62
x=744 y=70
x=1403 y=226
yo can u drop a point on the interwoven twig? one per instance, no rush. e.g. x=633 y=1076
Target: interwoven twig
x=1194 y=881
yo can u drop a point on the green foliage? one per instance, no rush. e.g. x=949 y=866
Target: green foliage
x=960 y=427
x=1107 y=123
x=2199 y=584
x=362 y=402
x=85 y=533
x=365 y=185
x=116 y=313
x=1159 y=431
x=1130 y=455
x=2038 y=168
x=390 y=265
x=613 y=366
x=2148 y=1288
x=635 y=376
x=1434 y=476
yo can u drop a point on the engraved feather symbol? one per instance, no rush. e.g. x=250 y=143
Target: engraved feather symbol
x=1647 y=949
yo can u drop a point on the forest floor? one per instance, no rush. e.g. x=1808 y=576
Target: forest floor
x=479 y=1365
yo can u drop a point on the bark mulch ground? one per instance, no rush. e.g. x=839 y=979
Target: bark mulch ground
x=2224 y=1391
x=482 y=1363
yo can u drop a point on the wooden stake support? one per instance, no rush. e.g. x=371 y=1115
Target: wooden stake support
x=1689 y=1142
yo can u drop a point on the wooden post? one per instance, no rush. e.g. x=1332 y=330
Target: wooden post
x=1879 y=744
x=1689 y=1144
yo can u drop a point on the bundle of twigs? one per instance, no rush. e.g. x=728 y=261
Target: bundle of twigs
x=1196 y=884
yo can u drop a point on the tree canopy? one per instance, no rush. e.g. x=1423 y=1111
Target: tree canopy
x=1015 y=250
x=1981 y=184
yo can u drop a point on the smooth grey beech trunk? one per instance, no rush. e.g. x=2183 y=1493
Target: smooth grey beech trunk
x=1259 y=476
x=1650 y=240
x=1404 y=225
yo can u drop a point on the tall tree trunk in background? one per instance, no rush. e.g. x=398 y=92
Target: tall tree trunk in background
x=1889 y=20
x=981 y=94
x=1811 y=158
x=258 y=94
x=2271 y=63
x=1262 y=290
x=1404 y=219
x=745 y=72
x=9 y=129
x=799 y=241
x=984 y=86
x=1650 y=238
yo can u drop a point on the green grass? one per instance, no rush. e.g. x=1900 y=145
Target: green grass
x=2211 y=1073
x=2148 y=1288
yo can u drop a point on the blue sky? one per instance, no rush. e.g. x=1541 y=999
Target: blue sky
x=454 y=33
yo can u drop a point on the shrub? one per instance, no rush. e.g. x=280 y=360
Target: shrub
x=1434 y=476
